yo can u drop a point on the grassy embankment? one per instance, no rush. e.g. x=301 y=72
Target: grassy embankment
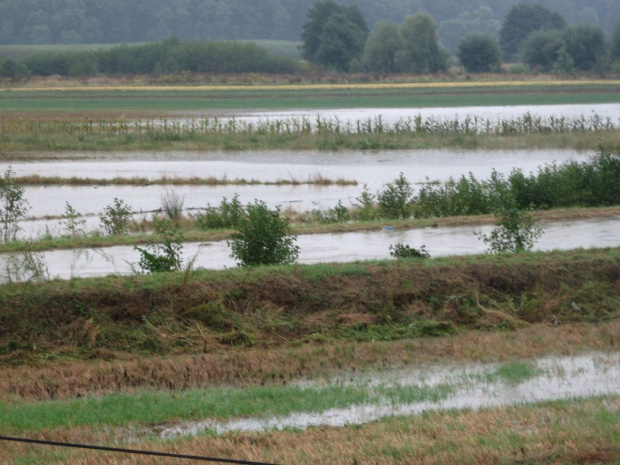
x=272 y=325
x=202 y=311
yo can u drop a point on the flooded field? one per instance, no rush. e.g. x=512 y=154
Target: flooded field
x=347 y=247
x=463 y=386
x=393 y=115
x=373 y=169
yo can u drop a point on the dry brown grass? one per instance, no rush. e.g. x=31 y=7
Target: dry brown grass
x=281 y=365
x=557 y=433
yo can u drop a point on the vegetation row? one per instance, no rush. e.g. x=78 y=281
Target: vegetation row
x=336 y=37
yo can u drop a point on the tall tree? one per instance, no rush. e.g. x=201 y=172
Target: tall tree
x=334 y=34
x=586 y=45
x=382 y=46
x=521 y=21
x=479 y=53
x=421 y=51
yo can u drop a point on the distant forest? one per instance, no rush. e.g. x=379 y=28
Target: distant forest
x=128 y=21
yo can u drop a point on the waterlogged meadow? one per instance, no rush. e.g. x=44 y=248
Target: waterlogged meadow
x=450 y=357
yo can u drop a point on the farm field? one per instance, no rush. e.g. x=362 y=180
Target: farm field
x=348 y=356
x=163 y=101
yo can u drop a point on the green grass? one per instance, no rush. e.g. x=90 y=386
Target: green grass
x=281 y=99
x=150 y=408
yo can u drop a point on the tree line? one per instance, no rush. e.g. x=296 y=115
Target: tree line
x=130 y=21
x=337 y=36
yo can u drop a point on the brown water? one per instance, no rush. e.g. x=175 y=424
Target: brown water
x=474 y=386
x=346 y=247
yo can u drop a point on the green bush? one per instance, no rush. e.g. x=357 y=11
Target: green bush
x=515 y=232
x=227 y=215
x=13 y=205
x=165 y=256
x=401 y=250
x=395 y=201
x=263 y=237
x=115 y=218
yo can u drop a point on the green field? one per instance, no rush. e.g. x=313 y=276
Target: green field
x=163 y=102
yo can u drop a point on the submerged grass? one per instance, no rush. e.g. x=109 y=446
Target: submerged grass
x=149 y=408
x=567 y=431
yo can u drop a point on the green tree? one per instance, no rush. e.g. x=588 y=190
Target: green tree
x=615 y=43
x=421 y=51
x=395 y=201
x=263 y=237
x=479 y=53
x=586 y=46
x=342 y=41
x=541 y=49
x=331 y=26
x=381 y=48
x=521 y=21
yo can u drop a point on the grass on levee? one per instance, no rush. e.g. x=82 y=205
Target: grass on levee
x=562 y=431
x=202 y=311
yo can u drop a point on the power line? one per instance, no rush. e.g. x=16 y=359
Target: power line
x=132 y=451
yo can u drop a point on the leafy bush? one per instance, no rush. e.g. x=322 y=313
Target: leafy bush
x=394 y=202
x=115 y=218
x=227 y=215
x=401 y=250
x=338 y=214
x=165 y=256
x=13 y=205
x=263 y=237
x=515 y=232
x=365 y=204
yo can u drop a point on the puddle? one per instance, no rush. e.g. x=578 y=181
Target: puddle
x=344 y=247
x=473 y=386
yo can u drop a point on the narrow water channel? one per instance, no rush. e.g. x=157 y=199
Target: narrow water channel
x=345 y=247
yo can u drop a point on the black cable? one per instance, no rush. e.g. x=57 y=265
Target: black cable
x=132 y=451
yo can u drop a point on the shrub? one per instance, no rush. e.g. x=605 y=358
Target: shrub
x=394 y=202
x=401 y=250
x=72 y=223
x=365 y=204
x=115 y=218
x=263 y=238
x=227 y=215
x=515 y=232
x=13 y=205
x=338 y=214
x=165 y=256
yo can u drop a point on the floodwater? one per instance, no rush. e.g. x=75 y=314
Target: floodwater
x=374 y=169
x=474 y=386
x=345 y=247
x=393 y=115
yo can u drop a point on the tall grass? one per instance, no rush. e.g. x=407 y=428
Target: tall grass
x=166 y=130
